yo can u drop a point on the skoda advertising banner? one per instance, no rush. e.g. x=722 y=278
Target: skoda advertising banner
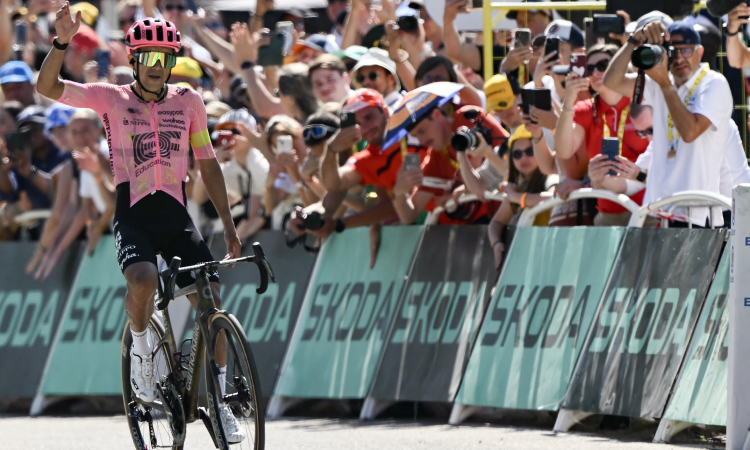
x=539 y=317
x=30 y=311
x=641 y=331
x=346 y=314
x=438 y=316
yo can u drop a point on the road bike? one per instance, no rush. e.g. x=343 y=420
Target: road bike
x=162 y=423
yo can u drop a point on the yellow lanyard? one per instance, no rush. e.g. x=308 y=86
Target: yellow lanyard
x=620 y=125
x=670 y=124
x=404 y=149
x=522 y=74
x=452 y=161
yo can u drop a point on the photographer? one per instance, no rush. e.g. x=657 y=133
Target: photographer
x=446 y=137
x=691 y=114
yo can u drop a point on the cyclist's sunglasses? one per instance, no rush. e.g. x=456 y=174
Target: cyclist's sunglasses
x=518 y=154
x=601 y=66
x=312 y=132
x=372 y=76
x=644 y=133
x=149 y=59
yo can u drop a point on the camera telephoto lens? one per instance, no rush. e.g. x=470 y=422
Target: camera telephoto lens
x=647 y=56
x=312 y=221
x=464 y=139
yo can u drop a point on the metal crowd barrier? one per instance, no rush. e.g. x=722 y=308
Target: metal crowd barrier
x=528 y=216
x=689 y=199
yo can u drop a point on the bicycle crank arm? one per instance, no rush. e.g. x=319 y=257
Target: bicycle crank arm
x=203 y=414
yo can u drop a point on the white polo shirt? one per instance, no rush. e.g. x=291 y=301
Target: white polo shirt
x=734 y=169
x=697 y=165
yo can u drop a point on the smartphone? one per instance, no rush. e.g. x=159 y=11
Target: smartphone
x=522 y=38
x=224 y=137
x=22 y=32
x=588 y=32
x=578 y=64
x=608 y=23
x=286 y=28
x=103 y=61
x=273 y=53
x=348 y=119
x=527 y=100
x=312 y=24
x=284 y=144
x=411 y=161
x=610 y=149
x=552 y=45
x=543 y=99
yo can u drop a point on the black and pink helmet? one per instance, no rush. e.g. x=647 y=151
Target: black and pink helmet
x=152 y=33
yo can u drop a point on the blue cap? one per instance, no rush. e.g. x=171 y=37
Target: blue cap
x=15 y=72
x=687 y=32
x=567 y=31
x=58 y=115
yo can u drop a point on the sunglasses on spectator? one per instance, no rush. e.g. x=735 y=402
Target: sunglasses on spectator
x=180 y=8
x=126 y=20
x=372 y=76
x=312 y=132
x=149 y=59
x=518 y=154
x=644 y=133
x=686 y=52
x=601 y=66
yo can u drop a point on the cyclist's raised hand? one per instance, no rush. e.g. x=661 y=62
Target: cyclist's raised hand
x=66 y=26
x=234 y=246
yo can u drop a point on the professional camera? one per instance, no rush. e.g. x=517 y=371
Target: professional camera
x=312 y=221
x=648 y=56
x=466 y=138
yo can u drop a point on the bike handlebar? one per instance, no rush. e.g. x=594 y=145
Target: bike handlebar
x=169 y=276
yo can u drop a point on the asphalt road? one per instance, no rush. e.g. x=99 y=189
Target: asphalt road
x=85 y=433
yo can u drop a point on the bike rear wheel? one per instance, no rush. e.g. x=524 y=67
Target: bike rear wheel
x=242 y=387
x=168 y=429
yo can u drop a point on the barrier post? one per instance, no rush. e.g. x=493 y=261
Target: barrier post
x=738 y=401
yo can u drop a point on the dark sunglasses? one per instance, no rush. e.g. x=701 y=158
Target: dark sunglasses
x=372 y=76
x=644 y=133
x=312 y=132
x=601 y=66
x=173 y=7
x=518 y=154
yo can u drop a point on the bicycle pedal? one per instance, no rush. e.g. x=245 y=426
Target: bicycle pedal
x=206 y=419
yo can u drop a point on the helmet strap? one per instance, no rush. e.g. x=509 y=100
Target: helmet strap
x=137 y=77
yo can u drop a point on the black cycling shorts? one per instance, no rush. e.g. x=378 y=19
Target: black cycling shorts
x=157 y=224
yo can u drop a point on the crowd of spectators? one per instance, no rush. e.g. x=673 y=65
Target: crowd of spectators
x=300 y=132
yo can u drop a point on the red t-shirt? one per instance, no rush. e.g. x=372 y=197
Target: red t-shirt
x=378 y=168
x=632 y=145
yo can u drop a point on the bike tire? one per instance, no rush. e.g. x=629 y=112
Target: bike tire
x=162 y=366
x=242 y=384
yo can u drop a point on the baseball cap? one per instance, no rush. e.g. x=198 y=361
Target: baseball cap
x=374 y=37
x=567 y=31
x=85 y=41
x=520 y=133
x=58 y=115
x=354 y=52
x=15 y=72
x=89 y=12
x=376 y=57
x=317 y=42
x=365 y=98
x=687 y=32
x=647 y=18
x=499 y=92
x=187 y=67
x=32 y=114
x=514 y=14
x=230 y=120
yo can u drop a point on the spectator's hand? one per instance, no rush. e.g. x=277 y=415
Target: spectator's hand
x=22 y=163
x=735 y=23
x=256 y=138
x=512 y=194
x=414 y=43
x=385 y=12
x=627 y=168
x=517 y=57
x=288 y=161
x=534 y=128
x=599 y=165
x=296 y=225
x=93 y=233
x=453 y=8
x=544 y=67
x=66 y=26
x=245 y=43
x=374 y=238
x=345 y=139
x=654 y=32
x=39 y=7
x=458 y=192
x=498 y=249
x=86 y=160
x=566 y=186
x=274 y=170
x=407 y=181
x=329 y=226
x=574 y=85
x=49 y=264
x=240 y=146
x=263 y=6
x=660 y=74
x=483 y=150
x=546 y=119
x=5 y=161
x=393 y=35
x=623 y=38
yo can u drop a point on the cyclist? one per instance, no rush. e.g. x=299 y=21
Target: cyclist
x=150 y=128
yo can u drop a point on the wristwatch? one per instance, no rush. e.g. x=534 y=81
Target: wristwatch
x=340 y=226
x=631 y=40
x=641 y=176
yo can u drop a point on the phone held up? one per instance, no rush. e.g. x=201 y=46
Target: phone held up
x=610 y=149
x=348 y=119
x=540 y=98
x=411 y=161
x=284 y=144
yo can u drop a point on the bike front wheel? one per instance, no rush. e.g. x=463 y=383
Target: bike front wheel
x=242 y=386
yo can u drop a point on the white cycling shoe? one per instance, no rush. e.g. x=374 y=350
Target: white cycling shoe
x=231 y=427
x=142 y=378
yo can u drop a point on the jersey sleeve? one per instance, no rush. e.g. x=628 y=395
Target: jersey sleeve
x=90 y=95
x=584 y=114
x=199 y=138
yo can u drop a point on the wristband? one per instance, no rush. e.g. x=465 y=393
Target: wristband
x=728 y=33
x=340 y=226
x=58 y=45
x=523 y=200
x=641 y=176
x=247 y=65
x=631 y=40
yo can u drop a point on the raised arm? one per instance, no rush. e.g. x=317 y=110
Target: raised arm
x=569 y=135
x=351 y=28
x=466 y=54
x=737 y=54
x=332 y=177
x=49 y=84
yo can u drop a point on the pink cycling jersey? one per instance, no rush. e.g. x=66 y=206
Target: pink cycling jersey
x=135 y=156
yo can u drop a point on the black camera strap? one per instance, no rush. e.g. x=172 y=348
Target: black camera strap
x=640 y=84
